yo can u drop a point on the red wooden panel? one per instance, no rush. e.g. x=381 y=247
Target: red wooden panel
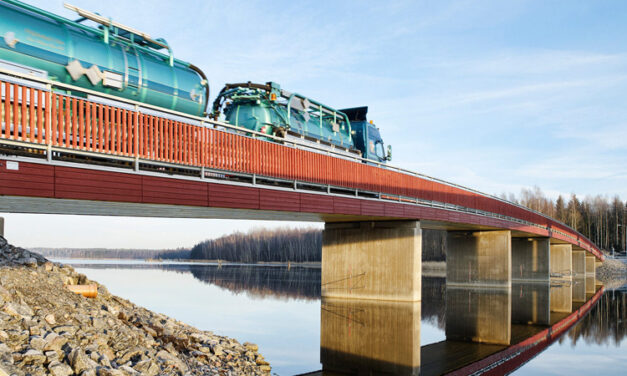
x=97 y=185
x=28 y=180
x=311 y=203
x=228 y=196
x=394 y=210
x=279 y=200
x=372 y=208
x=343 y=205
x=174 y=191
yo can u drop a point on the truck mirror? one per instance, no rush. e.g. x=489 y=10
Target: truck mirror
x=389 y=156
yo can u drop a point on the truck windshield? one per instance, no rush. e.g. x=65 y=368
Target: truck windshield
x=380 y=151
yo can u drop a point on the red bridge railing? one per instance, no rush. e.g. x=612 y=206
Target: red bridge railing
x=40 y=117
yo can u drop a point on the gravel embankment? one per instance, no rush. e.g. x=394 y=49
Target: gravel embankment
x=45 y=329
x=612 y=272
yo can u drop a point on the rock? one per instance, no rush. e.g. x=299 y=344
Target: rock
x=171 y=360
x=71 y=330
x=18 y=310
x=147 y=367
x=251 y=346
x=33 y=357
x=50 y=319
x=217 y=350
x=131 y=354
x=80 y=361
x=265 y=368
x=37 y=343
x=31 y=262
x=110 y=372
x=57 y=368
x=54 y=342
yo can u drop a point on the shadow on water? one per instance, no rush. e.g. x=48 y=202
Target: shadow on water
x=486 y=331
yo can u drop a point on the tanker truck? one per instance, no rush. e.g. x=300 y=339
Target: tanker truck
x=268 y=109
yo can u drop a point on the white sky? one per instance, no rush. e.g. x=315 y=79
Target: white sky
x=495 y=95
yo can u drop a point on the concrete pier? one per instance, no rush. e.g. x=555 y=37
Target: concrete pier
x=479 y=259
x=479 y=315
x=372 y=260
x=561 y=261
x=531 y=259
x=591 y=265
x=363 y=337
x=579 y=262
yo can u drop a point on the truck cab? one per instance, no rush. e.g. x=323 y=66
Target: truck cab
x=366 y=136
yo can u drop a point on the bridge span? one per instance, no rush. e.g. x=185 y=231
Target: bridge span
x=67 y=150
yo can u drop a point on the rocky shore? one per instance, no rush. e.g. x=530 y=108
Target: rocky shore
x=45 y=329
x=612 y=272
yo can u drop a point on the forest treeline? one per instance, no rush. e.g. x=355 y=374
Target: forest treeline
x=599 y=218
x=261 y=245
x=105 y=253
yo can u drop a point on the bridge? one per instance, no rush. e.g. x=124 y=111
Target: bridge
x=68 y=150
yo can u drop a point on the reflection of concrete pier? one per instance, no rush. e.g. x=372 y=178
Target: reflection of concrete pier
x=561 y=297
x=579 y=289
x=365 y=337
x=478 y=315
x=531 y=303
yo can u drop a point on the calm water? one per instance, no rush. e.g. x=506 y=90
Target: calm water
x=281 y=311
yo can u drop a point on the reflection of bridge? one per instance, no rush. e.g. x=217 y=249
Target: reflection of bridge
x=368 y=337
x=72 y=151
x=491 y=331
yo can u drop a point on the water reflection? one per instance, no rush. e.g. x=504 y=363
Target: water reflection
x=370 y=337
x=493 y=331
x=254 y=281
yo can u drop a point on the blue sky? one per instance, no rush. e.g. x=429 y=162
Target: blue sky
x=494 y=95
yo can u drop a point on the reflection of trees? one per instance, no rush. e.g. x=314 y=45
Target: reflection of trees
x=606 y=323
x=434 y=300
x=263 y=281
x=255 y=281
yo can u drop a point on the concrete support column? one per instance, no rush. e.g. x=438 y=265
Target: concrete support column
x=531 y=259
x=479 y=259
x=372 y=260
x=479 y=315
x=561 y=261
x=579 y=262
x=1 y=226
x=591 y=265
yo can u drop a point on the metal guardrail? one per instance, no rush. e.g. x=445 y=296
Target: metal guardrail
x=129 y=127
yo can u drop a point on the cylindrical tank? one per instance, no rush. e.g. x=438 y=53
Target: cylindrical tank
x=106 y=59
x=267 y=109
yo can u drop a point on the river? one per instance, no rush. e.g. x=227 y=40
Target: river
x=280 y=309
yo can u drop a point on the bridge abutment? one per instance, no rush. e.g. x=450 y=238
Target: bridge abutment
x=372 y=260
x=561 y=262
x=531 y=259
x=479 y=259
